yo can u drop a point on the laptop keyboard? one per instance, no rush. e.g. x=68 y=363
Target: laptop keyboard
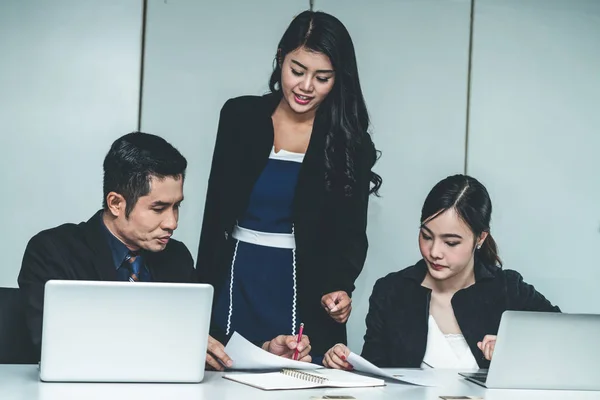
x=479 y=376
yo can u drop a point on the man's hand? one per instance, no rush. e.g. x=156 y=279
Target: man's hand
x=216 y=358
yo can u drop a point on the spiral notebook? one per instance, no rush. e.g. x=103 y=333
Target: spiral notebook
x=288 y=379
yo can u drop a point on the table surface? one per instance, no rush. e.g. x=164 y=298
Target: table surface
x=20 y=382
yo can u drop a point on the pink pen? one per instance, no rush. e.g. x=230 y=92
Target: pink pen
x=299 y=340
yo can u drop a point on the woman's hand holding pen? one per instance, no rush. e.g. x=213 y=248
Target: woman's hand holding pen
x=285 y=346
x=338 y=305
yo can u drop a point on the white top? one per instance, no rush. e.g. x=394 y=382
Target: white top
x=285 y=155
x=447 y=351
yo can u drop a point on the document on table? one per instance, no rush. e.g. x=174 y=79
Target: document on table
x=288 y=379
x=246 y=355
x=362 y=365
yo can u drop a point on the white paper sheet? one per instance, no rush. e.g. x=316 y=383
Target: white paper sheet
x=245 y=355
x=362 y=365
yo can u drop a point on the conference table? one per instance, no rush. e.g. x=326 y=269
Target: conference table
x=21 y=382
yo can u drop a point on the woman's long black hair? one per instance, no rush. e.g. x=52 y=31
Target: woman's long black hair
x=472 y=203
x=343 y=113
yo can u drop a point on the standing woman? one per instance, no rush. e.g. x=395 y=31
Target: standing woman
x=284 y=231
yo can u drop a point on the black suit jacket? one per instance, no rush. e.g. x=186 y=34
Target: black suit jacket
x=81 y=252
x=330 y=230
x=399 y=310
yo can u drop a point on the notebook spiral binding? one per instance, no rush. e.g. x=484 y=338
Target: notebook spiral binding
x=305 y=376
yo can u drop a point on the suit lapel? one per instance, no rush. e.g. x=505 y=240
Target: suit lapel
x=310 y=187
x=261 y=142
x=252 y=151
x=477 y=312
x=101 y=260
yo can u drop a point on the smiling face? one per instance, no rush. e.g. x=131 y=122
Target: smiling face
x=447 y=245
x=307 y=77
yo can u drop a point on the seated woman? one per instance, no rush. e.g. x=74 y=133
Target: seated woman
x=444 y=311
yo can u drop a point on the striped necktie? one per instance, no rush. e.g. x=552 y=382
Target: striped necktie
x=135 y=264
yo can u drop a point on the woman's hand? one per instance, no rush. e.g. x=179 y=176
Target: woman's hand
x=338 y=305
x=285 y=346
x=336 y=358
x=487 y=346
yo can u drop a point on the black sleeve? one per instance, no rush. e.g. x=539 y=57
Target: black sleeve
x=41 y=262
x=376 y=347
x=523 y=296
x=347 y=256
x=210 y=228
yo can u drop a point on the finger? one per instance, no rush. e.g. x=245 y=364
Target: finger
x=331 y=306
x=210 y=360
x=306 y=358
x=492 y=346
x=217 y=351
x=289 y=341
x=339 y=312
x=488 y=354
x=304 y=344
x=346 y=315
x=488 y=338
x=328 y=363
x=341 y=351
x=342 y=304
x=329 y=301
x=341 y=318
x=341 y=361
x=483 y=344
x=304 y=352
x=333 y=361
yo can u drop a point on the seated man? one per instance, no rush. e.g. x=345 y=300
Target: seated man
x=129 y=240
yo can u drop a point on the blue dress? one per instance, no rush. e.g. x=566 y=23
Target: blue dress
x=259 y=298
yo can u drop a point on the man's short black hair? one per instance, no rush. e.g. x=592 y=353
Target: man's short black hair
x=133 y=160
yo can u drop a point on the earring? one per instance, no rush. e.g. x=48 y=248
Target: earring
x=479 y=246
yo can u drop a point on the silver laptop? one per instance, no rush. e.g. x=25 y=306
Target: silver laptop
x=125 y=332
x=538 y=350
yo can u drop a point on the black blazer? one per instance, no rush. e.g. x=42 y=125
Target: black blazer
x=81 y=252
x=399 y=311
x=330 y=230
